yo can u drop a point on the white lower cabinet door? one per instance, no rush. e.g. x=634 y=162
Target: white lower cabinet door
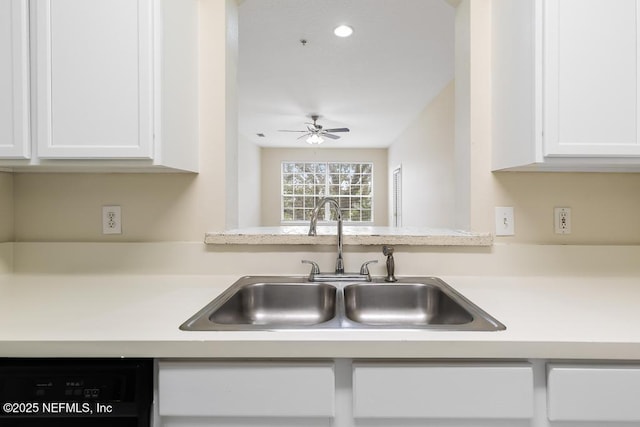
x=593 y=393
x=239 y=394
x=443 y=392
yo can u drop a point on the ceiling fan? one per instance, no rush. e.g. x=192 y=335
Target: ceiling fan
x=315 y=132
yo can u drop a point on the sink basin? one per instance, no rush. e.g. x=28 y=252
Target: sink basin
x=266 y=303
x=251 y=304
x=278 y=304
x=402 y=304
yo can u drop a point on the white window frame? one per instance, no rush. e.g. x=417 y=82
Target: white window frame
x=327 y=184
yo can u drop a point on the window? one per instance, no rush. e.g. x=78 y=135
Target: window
x=304 y=183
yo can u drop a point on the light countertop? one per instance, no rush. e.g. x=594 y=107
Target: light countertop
x=353 y=235
x=139 y=315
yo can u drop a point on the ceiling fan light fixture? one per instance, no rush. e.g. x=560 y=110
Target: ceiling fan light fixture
x=314 y=139
x=343 y=31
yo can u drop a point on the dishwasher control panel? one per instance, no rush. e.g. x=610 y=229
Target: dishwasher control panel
x=117 y=391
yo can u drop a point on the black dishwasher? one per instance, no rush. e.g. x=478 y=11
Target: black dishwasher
x=76 y=392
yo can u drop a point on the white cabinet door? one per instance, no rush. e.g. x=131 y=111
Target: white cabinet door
x=565 y=85
x=591 y=78
x=442 y=391
x=261 y=394
x=593 y=393
x=94 y=78
x=14 y=79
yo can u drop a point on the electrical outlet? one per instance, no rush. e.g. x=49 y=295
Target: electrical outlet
x=505 y=223
x=562 y=220
x=111 y=220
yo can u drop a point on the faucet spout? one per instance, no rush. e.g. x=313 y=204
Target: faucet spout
x=314 y=221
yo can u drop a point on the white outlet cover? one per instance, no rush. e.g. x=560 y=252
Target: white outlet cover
x=111 y=220
x=562 y=220
x=505 y=221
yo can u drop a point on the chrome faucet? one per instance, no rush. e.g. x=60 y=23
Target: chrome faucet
x=339 y=275
x=314 y=221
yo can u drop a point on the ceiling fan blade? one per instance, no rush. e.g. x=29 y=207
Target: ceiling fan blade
x=315 y=130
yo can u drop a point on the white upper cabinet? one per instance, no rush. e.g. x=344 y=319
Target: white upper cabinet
x=94 y=79
x=113 y=85
x=565 y=85
x=591 y=77
x=14 y=79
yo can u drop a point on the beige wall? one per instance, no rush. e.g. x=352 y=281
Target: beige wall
x=462 y=102
x=6 y=207
x=66 y=207
x=249 y=192
x=425 y=150
x=481 y=203
x=272 y=158
x=604 y=207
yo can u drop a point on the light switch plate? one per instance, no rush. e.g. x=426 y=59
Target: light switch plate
x=505 y=222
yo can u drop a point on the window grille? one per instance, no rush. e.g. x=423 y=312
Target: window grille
x=304 y=183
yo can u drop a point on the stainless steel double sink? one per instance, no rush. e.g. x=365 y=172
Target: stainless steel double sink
x=270 y=303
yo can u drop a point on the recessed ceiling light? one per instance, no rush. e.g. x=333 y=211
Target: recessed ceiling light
x=343 y=31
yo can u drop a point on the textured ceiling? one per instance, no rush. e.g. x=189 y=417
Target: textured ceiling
x=375 y=82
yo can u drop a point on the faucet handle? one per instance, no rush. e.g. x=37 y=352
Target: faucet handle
x=315 y=268
x=364 y=270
